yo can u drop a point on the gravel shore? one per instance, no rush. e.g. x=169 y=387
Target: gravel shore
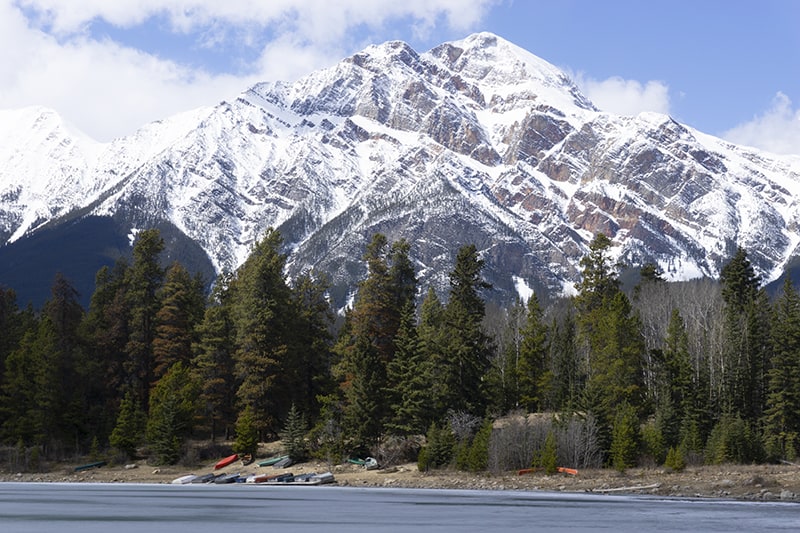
x=745 y=482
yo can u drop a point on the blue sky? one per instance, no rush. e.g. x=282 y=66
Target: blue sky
x=726 y=67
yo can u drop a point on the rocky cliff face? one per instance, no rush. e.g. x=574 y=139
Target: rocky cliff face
x=475 y=141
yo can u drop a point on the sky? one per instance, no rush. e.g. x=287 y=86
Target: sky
x=729 y=68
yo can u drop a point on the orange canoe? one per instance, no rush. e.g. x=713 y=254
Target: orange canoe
x=562 y=469
x=225 y=462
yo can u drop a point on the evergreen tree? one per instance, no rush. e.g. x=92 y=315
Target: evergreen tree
x=563 y=380
x=624 y=439
x=467 y=348
x=746 y=349
x=533 y=356
x=214 y=361
x=409 y=378
x=677 y=392
x=293 y=436
x=262 y=313
x=105 y=329
x=432 y=341
x=143 y=279
x=181 y=309
x=246 y=433
x=782 y=415
x=612 y=333
x=62 y=389
x=312 y=342
x=128 y=433
x=367 y=345
x=173 y=407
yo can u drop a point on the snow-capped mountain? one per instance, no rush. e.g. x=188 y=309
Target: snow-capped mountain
x=476 y=141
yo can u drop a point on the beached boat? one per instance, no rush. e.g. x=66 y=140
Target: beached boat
x=206 y=478
x=302 y=479
x=222 y=463
x=272 y=460
x=89 y=466
x=283 y=463
x=370 y=463
x=227 y=478
x=183 y=480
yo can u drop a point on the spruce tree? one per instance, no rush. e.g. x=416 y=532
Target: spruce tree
x=782 y=415
x=262 y=315
x=746 y=343
x=246 y=441
x=467 y=347
x=408 y=375
x=173 y=408
x=612 y=335
x=128 y=433
x=533 y=356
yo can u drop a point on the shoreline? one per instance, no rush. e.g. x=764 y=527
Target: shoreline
x=775 y=483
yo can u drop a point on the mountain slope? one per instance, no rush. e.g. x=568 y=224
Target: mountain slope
x=476 y=141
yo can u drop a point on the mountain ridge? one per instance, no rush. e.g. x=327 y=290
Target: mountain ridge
x=475 y=141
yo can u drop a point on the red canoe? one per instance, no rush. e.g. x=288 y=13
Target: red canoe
x=225 y=462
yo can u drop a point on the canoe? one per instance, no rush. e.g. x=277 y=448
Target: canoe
x=561 y=469
x=371 y=463
x=227 y=478
x=222 y=463
x=183 y=480
x=302 y=479
x=88 y=466
x=272 y=460
x=205 y=478
x=359 y=462
x=283 y=463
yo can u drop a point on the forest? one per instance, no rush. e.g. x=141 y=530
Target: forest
x=665 y=373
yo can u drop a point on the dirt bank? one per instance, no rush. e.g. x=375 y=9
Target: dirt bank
x=755 y=482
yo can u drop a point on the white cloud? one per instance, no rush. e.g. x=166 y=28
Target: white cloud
x=777 y=130
x=49 y=57
x=626 y=97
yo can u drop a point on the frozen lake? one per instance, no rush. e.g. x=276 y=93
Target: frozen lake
x=121 y=508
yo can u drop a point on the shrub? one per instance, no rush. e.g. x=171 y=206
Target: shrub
x=675 y=459
x=246 y=441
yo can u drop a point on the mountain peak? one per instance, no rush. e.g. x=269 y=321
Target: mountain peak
x=491 y=61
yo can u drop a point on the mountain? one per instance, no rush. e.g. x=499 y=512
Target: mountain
x=473 y=142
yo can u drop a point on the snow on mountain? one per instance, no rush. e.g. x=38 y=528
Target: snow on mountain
x=476 y=141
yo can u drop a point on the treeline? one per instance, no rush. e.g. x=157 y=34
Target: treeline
x=671 y=373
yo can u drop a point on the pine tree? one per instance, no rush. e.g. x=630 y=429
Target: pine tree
x=106 y=330
x=213 y=363
x=144 y=279
x=312 y=341
x=367 y=345
x=181 y=309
